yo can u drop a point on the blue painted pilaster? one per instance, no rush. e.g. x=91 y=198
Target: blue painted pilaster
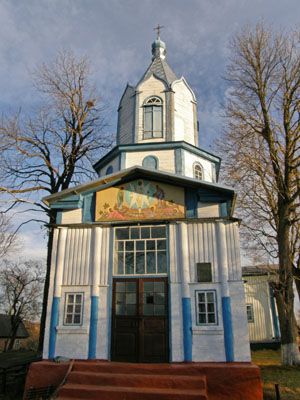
x=93 y=327
x=228 y=332
x=187 y=328
x=53 y=325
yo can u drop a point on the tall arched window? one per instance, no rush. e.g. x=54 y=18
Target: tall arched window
x=150 y=162
x=198 y=171
x=153 y=123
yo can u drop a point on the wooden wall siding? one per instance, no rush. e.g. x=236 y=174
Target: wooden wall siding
x=72 y=216
x=166 y=159
x=233 y=251
x=151 y=87
x=77 y=257
x=202 y=240
x=257 y=294
x=126 y=116
x=183 y=113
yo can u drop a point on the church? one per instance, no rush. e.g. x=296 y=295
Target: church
x=146 y=258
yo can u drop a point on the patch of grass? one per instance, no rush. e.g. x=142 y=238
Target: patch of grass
x=273 y=372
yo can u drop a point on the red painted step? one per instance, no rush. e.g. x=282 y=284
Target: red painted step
x=92 y=392
x=125 y=381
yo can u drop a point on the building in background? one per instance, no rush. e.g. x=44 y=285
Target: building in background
x=261 y=308
x=6 y=332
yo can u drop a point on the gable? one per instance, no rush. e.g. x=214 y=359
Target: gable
x=140 y=200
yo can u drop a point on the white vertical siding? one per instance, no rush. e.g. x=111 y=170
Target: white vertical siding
x=257 y=294
x=233 y=252
x=202 y=248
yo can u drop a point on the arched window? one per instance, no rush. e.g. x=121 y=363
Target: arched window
x=109 y=170
x=150 y=162
x=153 y=124
x=198 y=171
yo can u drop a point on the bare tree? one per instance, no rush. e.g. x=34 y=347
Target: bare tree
x=261 y=149
x=56 y=147
x=21 y=293
x=9 y=241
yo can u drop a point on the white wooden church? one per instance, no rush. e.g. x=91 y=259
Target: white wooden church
x=146 y=259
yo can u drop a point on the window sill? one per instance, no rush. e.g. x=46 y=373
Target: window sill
x=207 y=331
x=72 y=330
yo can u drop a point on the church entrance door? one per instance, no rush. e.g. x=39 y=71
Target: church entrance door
x=140 y=320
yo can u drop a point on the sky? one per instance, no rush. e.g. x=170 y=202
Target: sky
x=116 y=36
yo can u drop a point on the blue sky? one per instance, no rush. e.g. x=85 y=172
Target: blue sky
x=116 y=35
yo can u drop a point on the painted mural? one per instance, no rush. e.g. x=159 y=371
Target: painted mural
x=140 y=200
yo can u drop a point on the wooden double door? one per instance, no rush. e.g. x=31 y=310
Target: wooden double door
x=140 y=320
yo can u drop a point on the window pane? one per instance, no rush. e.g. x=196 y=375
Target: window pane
x=157 y=120
x=201 y=297
x=158 y=232
x=120 y=263
x=130 y=286
x=210 y=297
x=148 y=309
x=130 y=298
x=159 y=310
x=140 y=262
x=70 y=308
x=148 y=298
x=202 y=318
x=134 y=233
x=148 y=286
x=201 y=307
x=78 y=309
x=120 y=246
x=145 y=233
x=77 y=319
x=159 y=287
x=129 y=263
x=120 y=286
x=161 y=245
x=159 y=298
x=151 y=262
x=210 y=307
x=211 y=318
x=122 y=233
x=120 y=309
x=120 y=298
x=78 y=298
x=148 y=119
x=161 y=262
x=129 y=246
x=70 y=298
x=130 y=309
x=140 y=245
x=150 y=244
x=69 y=319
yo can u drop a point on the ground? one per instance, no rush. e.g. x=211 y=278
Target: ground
x=272 y=372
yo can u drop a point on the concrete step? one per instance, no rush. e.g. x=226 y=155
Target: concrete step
x=137 y=380
x=76 y=391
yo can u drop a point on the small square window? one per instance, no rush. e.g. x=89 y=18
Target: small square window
x=204 y=272
x=250 y=313
x=73 y=309
x=206 y=307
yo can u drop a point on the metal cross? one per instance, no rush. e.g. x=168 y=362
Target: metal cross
x=158 y=28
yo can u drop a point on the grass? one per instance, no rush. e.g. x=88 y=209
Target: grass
x=273 y=372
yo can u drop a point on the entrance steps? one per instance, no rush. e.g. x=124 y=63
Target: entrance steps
x=125 y=381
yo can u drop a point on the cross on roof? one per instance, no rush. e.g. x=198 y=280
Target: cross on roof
x=158 y=28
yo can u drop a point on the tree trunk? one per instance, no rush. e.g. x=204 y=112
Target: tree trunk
x=15 y=322
x=284 y=293
x=52 y=221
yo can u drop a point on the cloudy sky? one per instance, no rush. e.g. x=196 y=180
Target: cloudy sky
x=116 y=35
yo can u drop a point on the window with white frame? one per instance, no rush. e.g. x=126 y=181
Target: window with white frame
x=198 y=171
x=250 y=313
x=206 y=307
x=140 y=250
x=153 y=122
x=73 y=309
x=203 y=272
